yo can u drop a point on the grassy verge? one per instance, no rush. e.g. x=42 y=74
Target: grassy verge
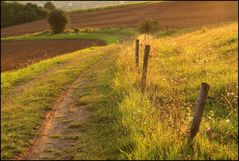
x=22 y=116
x=174 y=32
x=159 y=120
x=110 y=35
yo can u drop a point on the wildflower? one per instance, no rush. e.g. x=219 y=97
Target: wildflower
x=227 y=120
x=139 y=111
x=212 y=113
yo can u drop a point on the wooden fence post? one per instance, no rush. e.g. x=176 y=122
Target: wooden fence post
x=145 y=66
x=137 y=52
x=199 y=108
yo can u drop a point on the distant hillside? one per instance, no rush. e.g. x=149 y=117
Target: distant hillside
x=74 y=5
x=183 y=14
x=18 y=12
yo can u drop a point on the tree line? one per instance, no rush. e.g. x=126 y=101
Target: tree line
x=16 y=13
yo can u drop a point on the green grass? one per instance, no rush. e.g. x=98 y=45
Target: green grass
x=126 y=31
x=159 y=120
x=109 y=35
x=130 y=125
x=126 y=124
x=13 y=78
x=23 y=115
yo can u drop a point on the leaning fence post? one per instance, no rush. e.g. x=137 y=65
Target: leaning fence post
x=145 y=66
x=199 y=107
x=137 y=52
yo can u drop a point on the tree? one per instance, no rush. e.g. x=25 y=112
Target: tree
x=149 y=27
x=15 y=13
x=39 y=11
x=49 y=6
x=57 y=20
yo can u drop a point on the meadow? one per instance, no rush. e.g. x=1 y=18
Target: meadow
x=126 y=123
x=159 y=119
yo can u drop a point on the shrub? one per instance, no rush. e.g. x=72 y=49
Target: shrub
x=148 y=26
x=57 y=20
x=49 y=6
x=76 y=30
x=86 y=30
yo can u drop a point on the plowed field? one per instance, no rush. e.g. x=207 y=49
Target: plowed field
x=170 y=14
x=17 y=54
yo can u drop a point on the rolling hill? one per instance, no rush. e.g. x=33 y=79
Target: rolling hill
x=69 y=106
x=170 y=14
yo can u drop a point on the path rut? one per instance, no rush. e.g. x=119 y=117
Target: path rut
x=63 y=124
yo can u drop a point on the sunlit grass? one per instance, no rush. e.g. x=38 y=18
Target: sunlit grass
x=10 y=79
x=125 y=123
x=159 y=120
x=22 y=113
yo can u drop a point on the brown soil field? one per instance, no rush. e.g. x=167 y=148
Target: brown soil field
x=18 y=54
x=180 y=14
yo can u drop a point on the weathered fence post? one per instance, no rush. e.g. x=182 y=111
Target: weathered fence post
x=199 y=108
x=145 y=66
x=137 y=52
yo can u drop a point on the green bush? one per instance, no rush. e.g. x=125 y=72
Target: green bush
x=49 y=6
x=86 y=30
x=57 y=20
x=76 y=30
x=148 y=26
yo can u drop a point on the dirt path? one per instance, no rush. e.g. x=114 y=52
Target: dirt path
x=62 y=125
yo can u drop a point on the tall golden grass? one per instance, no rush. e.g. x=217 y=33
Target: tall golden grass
x=159 y=120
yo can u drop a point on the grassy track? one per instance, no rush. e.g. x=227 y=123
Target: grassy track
x=22 y=116
x=124 y=123
x=104 y=135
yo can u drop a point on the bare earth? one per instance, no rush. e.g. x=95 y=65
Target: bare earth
x=18 y=54
x=170 y=14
